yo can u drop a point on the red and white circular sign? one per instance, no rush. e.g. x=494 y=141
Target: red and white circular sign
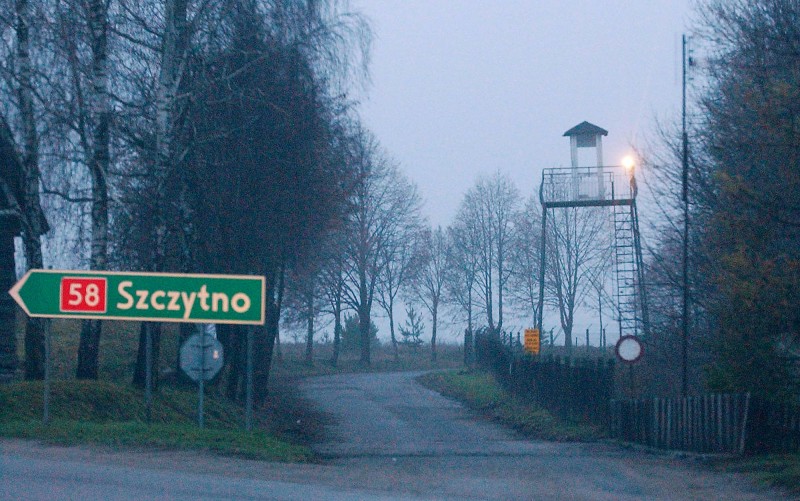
x=629 y=349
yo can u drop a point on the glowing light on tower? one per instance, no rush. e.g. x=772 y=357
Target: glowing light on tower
x=628 y=162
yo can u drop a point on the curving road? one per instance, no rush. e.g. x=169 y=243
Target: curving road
x=389 y=438
x=402 y=438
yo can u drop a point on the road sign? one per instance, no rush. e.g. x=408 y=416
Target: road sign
x=157 y=297
x=629 y=349
x=201 y=356
x=532 y=341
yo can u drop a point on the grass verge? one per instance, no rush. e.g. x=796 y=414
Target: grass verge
x=481 y=391
x=775 y=470
x=103 y=413
x=134 y=434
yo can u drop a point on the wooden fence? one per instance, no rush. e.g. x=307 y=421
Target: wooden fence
x=718 y=423
x=584 y=390
x=577 y=389
x=772 y=427
x=709 y=423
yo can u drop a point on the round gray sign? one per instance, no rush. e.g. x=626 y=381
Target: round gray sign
x=201 y=355
x=629 y=349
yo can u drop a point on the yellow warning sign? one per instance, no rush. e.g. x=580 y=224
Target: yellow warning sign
x=532 y=341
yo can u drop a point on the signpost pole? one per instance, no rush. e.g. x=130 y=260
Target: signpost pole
x=201 y=380
x=46 y=400
x=248 y=413
x=148 y=371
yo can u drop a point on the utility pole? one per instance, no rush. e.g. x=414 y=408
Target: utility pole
x=685 y=198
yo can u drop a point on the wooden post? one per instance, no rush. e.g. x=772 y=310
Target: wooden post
x=705 y=424
x=689 y=422
x=743 y=436
x=248 y=410
x=737 y=419
x=148 y=372
x=698 y=418
x=670 y=403
x=201 y=382
x=684 y=423
x=654 y=428
x=726 y=404
x=693 y=423
x=47 y=364
x=720 y=443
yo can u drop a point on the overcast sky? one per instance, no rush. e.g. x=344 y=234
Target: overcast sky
x=462 y=88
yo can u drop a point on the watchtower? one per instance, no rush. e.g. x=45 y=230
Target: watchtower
x=600 y=186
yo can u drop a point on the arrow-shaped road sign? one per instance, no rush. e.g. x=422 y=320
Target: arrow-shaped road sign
x=158 y=297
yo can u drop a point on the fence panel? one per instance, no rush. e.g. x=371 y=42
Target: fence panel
x=575 y=389
x=584 y=390
x=708 y=423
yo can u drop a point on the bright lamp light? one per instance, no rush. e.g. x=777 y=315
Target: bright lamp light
x=628 y=162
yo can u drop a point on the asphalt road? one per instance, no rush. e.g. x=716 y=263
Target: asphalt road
x=389 y=438
x=407 y=440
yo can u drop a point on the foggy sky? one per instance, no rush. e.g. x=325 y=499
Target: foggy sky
x=464 y=88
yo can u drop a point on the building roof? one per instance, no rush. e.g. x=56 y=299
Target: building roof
x=586 y=129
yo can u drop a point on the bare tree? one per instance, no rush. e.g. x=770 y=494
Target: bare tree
x=23 y=195
x=92 y=125
x=490 y=208
x=332 y=278
x=304 y=302
x=15 y=220
x=400 y=256
x=577 y=239
x=525 y=259
x=266 y=207
x=462 y=276
x=383 y=203
x=166 y=34
x=429 y=284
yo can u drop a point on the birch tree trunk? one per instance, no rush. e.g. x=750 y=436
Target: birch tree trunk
x=173 y=55
x=31 y=206
x=99 y=159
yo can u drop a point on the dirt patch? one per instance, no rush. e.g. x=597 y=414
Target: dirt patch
x=290 y=416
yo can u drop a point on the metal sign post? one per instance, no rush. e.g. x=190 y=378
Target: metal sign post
x=248 y=411
x=148 y=371
x=201 y=358
x=629 y=350
x=47 y=347
x=201 y=381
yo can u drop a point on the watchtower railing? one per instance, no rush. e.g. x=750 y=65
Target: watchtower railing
x=587 y=187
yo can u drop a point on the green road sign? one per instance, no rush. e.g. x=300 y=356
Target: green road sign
x=157 y=297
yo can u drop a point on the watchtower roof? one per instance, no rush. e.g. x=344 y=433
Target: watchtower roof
x=586 y=129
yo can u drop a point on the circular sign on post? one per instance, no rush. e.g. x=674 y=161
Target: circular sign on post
x=201 y=356
x=629 y=349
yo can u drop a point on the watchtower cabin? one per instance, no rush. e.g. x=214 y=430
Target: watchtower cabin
x=599 y=185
